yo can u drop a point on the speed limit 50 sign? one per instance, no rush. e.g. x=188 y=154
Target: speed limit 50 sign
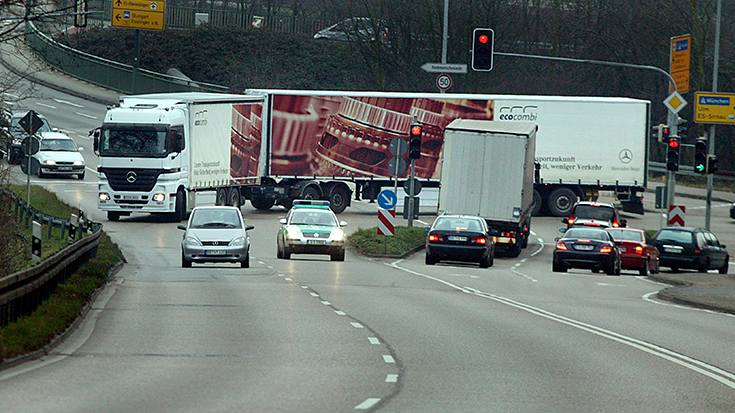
x=443 y=81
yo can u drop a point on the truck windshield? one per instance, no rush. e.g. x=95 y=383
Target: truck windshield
x=139 y=141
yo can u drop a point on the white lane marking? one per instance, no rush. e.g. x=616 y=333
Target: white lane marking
x=610 y=285
x=649 y=297
x=373 y=340
x=85 y=115
x=46 y=106
x=514 y=270
x=367 y=404
x=388 y=359
x=326 y=303
x=540 y=247
x=304 y=286
x=288 y=279
x=357 y=325
x=463 y=275
x=708 y=370
x=66 y=102
x=314 y=294
x=391 y=378
x=340 y=312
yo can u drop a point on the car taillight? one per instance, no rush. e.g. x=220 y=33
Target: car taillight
x=697 y=251
x=615 y=224
x=571 y=220
x=605 y=249
x=436 y=237
x=639 y=250
x=561 y=246
x=479 y=240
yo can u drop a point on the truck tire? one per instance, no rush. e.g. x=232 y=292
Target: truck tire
x=113 y=216
x=339 y=199
x=261 y=203
x=561 y=201
x=538 y=202
x=221 y=197
x=233 y=197
x=180 y=209
x=310 y=193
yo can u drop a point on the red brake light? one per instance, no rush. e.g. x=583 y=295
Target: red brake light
x=560 y=246
x=697 y=251
x=571 y=220
x=435 y=237
x=479 y=240
x=606 y=249
x=639 y=250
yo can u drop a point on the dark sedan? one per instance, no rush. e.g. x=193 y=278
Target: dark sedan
x=460 y=238
x=692 y=248
x=587 y=248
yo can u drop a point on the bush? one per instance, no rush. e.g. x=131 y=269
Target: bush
x=406 y=239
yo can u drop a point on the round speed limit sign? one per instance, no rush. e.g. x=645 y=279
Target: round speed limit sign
x=443 y=82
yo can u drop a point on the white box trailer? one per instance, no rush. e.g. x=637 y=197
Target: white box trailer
x=488 y=170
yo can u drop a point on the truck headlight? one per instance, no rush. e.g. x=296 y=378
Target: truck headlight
x=104 y=196
x=159 y=197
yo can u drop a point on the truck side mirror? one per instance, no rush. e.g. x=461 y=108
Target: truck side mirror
x=96 y=145
x=178 y=143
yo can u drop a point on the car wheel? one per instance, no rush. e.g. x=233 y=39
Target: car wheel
x=704 y=266
x=487 y=262
x=611 y=270
x=558 y=267
x=81 y=175
x=286 y=253
x=338 y=256
x=724 y=268
x=674 y=269
x=643 y=271
x=279 y=252
x=184 y=262
x=246 y=263
x=429 y=260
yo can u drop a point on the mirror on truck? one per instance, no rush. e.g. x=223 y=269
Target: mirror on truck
x=177 y=143
x=96 y=144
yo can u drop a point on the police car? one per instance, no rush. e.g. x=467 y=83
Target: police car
x=311 y=228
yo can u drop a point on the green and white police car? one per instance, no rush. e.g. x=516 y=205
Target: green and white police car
x=311 y=228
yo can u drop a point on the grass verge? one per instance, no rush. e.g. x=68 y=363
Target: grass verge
x=55 y=315
x=367 y=241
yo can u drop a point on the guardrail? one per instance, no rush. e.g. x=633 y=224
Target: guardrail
x=22 y=292
x=107 y=73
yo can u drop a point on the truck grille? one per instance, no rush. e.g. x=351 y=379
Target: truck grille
x=143 y=180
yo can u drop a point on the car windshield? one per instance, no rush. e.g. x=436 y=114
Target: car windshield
x=143 y=141
x=586 y=233
x=620 y=234
x=458 y=224
x=66 y=145
x=683 y=237
x=313 y=217
x=593 y=212
x=215 y=218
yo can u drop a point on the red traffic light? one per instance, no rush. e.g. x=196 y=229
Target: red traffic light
x=483 y=39
x=416 y=130
x=673 y=143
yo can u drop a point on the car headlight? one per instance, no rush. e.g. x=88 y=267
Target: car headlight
x=49 y=162
x=78 y=163
x=293 y=232
x=192 y=241
x=238 y=242
x=338 y=234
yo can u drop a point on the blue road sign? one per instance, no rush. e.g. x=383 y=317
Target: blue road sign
x=387 y=199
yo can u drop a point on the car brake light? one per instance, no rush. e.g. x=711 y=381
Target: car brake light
x=606 y=249
x=435 y=237
x=479 y=240
x=571 y=220
x=697 y=251
x=639 y=250
x=615 y=224
x=560 y=246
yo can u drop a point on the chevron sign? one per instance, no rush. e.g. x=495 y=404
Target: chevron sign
x=386 y=221
x=676 y=215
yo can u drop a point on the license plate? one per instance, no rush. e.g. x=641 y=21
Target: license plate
x=316 y=241
x=456 y=238
x=215 y=252
x=129 y=197
x=584 y=247
x=673 y=250
x=65 y=168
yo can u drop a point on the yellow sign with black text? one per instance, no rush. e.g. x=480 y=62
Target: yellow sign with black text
x=139 y=14
x=710 y=107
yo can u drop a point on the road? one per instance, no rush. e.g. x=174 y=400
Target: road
x=311 y=335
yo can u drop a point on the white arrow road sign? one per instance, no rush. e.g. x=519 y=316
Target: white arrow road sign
x=444 y=67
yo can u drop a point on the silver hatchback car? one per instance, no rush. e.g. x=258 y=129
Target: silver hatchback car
x=215 y=234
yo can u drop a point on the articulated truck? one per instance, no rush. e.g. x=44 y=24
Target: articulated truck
x=158 y=153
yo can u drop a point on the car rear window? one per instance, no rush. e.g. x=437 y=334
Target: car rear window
x=458 y=224
x=593 y=212
x=620 y=234
x=683 y=237
x=586 y=233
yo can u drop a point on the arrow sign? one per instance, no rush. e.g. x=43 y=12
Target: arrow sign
x=444 y=67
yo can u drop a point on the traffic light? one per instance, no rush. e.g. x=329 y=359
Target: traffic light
x=414 y=142
x=482 y=49
x=672 y=156
x=700 y=156
x=712 y=164
x=682 y=129
x=663 y=133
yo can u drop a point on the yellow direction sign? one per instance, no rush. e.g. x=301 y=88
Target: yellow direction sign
x=714 y=108
x=139 y=14
x=680 y=56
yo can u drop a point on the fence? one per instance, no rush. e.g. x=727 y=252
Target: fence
x=22 y=292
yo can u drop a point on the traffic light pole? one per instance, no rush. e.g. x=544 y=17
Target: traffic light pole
x=673 y=120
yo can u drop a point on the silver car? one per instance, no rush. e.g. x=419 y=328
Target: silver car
x=215 y=234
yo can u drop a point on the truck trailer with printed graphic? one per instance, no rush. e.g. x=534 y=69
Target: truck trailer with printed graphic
x=158 y=152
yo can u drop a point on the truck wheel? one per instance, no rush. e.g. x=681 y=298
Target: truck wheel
x=339 y=199
x=180 y=208
x=221 y=198
x=310 y=193
x=261 y=203
x=514 y=251
x=233 y=198
x=561 y=202
x=113 y=216
x=537 y=203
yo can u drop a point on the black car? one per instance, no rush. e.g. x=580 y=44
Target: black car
x=16 y=134
x=594 y=214
x=460 y=238
x=691 y=248
x=587 y=248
